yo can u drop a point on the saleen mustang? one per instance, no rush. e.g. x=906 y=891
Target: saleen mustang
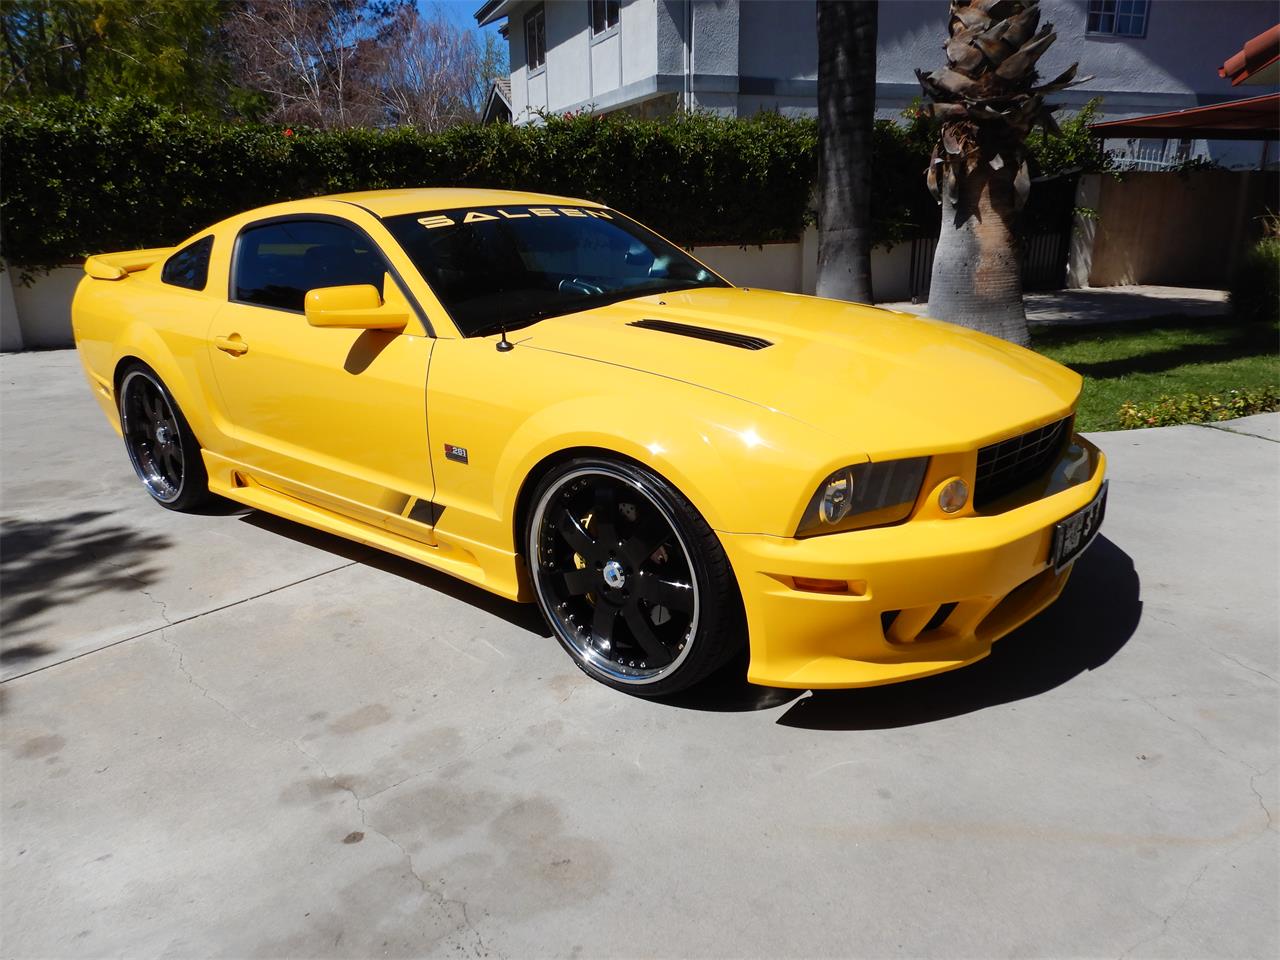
x=546 y=399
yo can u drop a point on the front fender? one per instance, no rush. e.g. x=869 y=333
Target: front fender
x=744 y=467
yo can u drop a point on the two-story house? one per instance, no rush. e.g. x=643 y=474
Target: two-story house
x=738 y=57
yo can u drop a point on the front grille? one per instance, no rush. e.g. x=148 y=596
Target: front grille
x=1012 y=464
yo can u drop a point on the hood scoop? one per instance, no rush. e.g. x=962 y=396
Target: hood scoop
x=727 y=337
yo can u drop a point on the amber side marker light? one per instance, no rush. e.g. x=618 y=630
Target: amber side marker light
x=820 y=585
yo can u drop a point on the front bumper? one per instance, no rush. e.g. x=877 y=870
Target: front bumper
x=889 y=625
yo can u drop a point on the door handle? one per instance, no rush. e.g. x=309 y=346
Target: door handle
x=232 y=345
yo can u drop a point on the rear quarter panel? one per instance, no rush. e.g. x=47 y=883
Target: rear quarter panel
x=163 y=326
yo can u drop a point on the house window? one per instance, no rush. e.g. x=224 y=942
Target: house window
x=535 y=39
x=1118 y=18
x=604 y=15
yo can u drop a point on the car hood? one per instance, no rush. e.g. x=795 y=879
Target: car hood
x=882 y=381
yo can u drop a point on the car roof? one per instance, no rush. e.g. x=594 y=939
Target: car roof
x=388 y=203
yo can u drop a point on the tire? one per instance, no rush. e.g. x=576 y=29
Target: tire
x=159 y=441
x=632 y=581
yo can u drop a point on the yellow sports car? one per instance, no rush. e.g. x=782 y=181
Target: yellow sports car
x=542 y=397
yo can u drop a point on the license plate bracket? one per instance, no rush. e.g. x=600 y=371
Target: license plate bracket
x=1072 y=535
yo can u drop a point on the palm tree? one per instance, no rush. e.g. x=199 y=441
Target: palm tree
x=988 y=100
x=846 y=113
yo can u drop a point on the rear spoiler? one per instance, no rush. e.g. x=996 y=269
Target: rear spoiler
x=117 y=266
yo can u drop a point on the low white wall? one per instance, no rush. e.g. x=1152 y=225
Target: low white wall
x=10 y=329
x=38 y=316
x=793 y=267
x=41 y=310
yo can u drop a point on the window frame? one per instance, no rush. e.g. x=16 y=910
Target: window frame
x=1098 y=8
x=321 y=218
x=537 y=13
x=208 y=239
x=609 y=29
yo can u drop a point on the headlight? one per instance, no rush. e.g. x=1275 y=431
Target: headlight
x=864 y=495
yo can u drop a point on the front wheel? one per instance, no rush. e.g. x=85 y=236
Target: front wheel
x=161 y=446
x=631 y=579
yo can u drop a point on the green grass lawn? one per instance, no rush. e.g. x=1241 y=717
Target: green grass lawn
x=1139 y=362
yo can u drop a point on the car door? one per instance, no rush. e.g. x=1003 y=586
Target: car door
x=335 y=417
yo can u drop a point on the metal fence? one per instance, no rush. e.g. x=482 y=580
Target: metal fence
x=1044 y=263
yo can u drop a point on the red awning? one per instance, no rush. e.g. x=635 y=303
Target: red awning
x=1258 y=62
x=1257 y=118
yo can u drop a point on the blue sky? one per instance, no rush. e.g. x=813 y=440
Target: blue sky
x=461 y=12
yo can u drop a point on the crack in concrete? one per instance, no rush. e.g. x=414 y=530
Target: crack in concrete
x=1164 y=921
x=1262 y=803
x=1243 y=666
x=164 y=613
x=444 y=903
x=1238 y=433
x=1221 y=653
x=1249 y=838
x=1200 y=733
x=142 y=584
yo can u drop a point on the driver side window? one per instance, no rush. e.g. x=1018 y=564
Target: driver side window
x=277 y=263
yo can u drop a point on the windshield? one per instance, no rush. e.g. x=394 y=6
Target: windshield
x=514 y=265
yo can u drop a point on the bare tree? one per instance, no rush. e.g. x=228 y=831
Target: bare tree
x=311 y=57
x=344 y=63
x=424 y=74
x=846 y=113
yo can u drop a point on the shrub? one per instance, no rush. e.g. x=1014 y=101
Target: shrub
x=1255 y=288
x=1196 y=408
x=84 y=178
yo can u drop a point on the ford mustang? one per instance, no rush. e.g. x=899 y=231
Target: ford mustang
x=544 y=398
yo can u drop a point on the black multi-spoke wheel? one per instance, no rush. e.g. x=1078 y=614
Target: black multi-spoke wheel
x=161 y=447
x=630 y=577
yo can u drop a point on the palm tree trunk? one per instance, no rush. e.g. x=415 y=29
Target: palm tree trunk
x=846 y=113
x=977 y=270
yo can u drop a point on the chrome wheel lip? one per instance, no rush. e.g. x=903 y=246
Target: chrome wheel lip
x=581 y=649
x=158 y=486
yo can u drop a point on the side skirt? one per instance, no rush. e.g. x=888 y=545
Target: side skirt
x=494 y=570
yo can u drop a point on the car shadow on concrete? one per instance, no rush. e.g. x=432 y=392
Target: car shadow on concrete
x=1096 y=615
x=522 y=615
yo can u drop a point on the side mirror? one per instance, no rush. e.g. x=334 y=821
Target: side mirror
x=356 y=307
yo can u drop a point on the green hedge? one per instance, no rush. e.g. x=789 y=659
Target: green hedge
x=81 y=179
x=86 y=178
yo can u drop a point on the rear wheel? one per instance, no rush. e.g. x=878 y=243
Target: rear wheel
x=631 y=579
x=161 y=447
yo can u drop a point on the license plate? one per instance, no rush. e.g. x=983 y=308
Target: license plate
x=1074 y=534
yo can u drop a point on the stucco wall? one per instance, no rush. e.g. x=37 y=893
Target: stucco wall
x=10 y=329
x=37 y=315
x=582 y=71
x=762 y=54
x=792 y=267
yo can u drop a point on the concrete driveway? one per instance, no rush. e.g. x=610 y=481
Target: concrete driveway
x=225 y=735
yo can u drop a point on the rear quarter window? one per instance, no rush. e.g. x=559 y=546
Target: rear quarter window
x=189 y=267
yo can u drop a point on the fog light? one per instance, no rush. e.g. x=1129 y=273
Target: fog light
x=953 y=496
